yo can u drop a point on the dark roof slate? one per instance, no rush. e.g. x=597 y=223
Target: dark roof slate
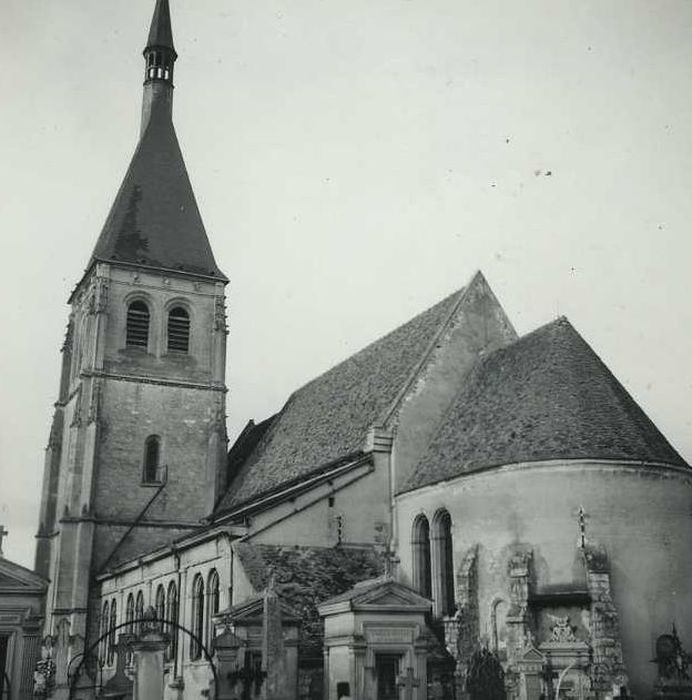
x=307 y=576
x=160 y=32
x=154 y=220
x=546 y=396
x=330 y=416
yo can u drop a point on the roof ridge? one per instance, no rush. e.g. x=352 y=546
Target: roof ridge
x=386 y=415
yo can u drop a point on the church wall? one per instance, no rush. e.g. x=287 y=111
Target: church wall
x=358 y=513
x=641 y=514
x=479 y=325
x=181 y=568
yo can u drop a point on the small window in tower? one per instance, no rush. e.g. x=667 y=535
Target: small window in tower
x=137 y=330
x=152 y=457
x=151 y=59
x=157 y=60
x=178 y=330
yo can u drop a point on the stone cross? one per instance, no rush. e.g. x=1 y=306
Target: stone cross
x=582 y=527
x=3 y=532
x=408 y=683
x=273 y=652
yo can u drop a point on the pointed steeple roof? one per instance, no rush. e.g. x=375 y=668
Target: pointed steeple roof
x=154 y=220
x=547 y=396
x=160 y=33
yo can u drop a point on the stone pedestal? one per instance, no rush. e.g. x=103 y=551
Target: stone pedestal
x=229 y=660
x=149 y=653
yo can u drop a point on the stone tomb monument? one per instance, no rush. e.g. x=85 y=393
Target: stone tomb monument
x=376 y=642
x=256 y=649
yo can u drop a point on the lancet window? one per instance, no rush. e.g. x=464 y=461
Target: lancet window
x=152 y=458
x=105 y=626
x=197 y=622
x=212 y=603
x=112 y=632
x=160 y=603
x=139 y=612
x=443 y=564
x=420 y=543
x=130 y=613
x=172 y=616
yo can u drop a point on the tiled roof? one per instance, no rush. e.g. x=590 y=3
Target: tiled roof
x=155 y=220
x=546 y=396
x=245 y=443
x=329 y=417
x=307 y=576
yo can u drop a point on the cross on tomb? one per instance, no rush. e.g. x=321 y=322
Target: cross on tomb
x=3 y=532
x=408 y=683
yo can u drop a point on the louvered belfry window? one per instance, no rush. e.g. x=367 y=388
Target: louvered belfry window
x=137 y=331
x=178 y=330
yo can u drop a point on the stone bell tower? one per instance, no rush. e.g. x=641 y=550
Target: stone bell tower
x=137 y=447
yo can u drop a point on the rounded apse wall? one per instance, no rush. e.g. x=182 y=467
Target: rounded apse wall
x=641 y=513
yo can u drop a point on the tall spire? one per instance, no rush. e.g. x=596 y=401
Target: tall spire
x=159 y=59
x=154 y=220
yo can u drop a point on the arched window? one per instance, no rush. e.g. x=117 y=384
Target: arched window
x=160 y=604
x=443 y=564
x=137 y=327
x=152 y=456
x=105 y=626
x=178 y=330
x=212 y=603
x=197 y=622
x=172 y=616
x=420 y=543
x=130 y=613
x=498 y=616
x=139 y=612
x=111 y=631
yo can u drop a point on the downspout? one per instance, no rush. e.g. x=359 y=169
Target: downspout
x=177 y=612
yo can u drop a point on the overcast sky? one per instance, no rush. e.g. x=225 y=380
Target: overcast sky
x=354 y=162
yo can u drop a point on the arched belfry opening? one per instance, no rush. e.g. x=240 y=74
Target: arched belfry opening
x=442 y=547
x=420 y=544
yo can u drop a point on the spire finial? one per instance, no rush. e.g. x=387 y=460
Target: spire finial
x=159 y=57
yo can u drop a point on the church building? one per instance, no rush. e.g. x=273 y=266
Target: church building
x=450 y=496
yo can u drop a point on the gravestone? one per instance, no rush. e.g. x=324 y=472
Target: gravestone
x=273 y=652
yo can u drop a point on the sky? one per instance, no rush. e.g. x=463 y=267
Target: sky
x=354 y=162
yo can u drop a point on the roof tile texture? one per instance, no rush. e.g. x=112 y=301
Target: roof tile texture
x=307 y=576
x=154 y=220
x=330 y=417
x=546 y=396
